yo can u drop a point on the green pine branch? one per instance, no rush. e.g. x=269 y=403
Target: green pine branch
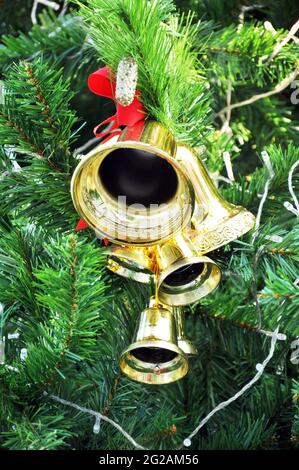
x=58 y=40
x=37 y=430
x=173 y=90
x=246 y=193
x=36 y=117
x=240 y=55
x=37 y=129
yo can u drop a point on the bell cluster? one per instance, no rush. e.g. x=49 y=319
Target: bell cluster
x=155 y=201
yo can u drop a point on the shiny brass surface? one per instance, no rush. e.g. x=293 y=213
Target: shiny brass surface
x=136 y=263
x=154 y=356
x=215 y=221
x=132 y=224
x=183 y=342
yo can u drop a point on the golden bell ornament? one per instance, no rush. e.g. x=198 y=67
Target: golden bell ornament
x=132 y=190
x=155 y=200
x=154 y=357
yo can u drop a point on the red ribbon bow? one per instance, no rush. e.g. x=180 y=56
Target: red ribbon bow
x=102 y=83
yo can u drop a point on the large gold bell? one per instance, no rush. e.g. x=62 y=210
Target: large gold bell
x=132 y=190
x=140 y=190
x=154 y=357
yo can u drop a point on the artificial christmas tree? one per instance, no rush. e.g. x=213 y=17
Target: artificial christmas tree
x=228 y=85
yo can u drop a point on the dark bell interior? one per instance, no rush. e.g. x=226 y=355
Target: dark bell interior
x=184 y=275
x=153 y=355
x=143 y=177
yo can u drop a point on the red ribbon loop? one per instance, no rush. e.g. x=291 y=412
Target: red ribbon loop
x=112 y=119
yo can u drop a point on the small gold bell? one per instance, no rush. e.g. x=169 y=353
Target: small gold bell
x=154 y=356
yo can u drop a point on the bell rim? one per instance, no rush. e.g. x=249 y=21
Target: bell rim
x=185 y=298
x=151 y=376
